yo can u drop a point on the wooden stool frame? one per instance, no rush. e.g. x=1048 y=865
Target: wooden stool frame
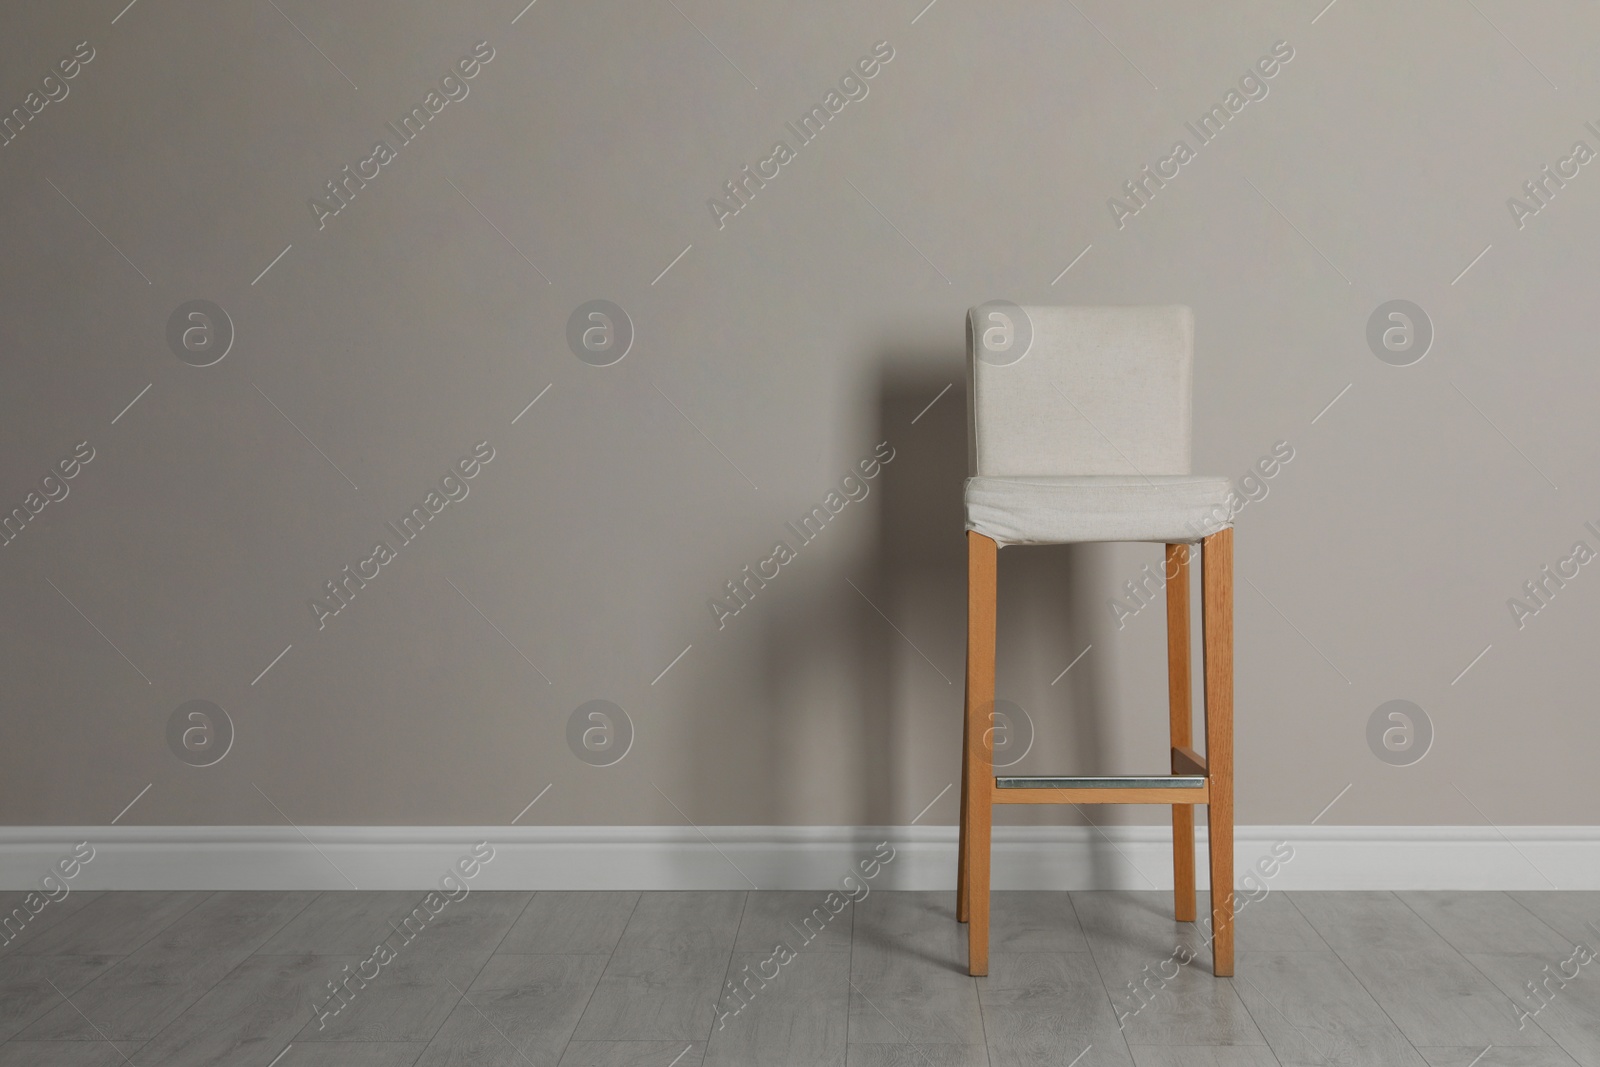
x=1195 y=779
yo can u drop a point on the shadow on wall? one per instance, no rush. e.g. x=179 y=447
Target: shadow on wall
x=846 y=700
x=1046 y=604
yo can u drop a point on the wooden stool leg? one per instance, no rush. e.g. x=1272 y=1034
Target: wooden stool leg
x=982 y=560
x=963 y=839
x=1217 y=613
x=1178 y=700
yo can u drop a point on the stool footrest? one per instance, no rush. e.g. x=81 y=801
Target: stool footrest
x=1102 y=781
x=1102 y=789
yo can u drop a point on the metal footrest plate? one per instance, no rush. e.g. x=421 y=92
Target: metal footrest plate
x=1133 y=781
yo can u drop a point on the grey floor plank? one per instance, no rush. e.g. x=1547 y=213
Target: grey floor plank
x=1025 y=921
x=407 y=1000
x=1486 y=922
x=800 y=920
x=1087 y=1054
x=909 y=973
x=904 y=926
x=1414 y=979
x=798 y=1018
x=1142 y=913
x=247 y=1017
x=476 y=924
x=913 y=1000
x=350 y=1054
x=583 y=924
x=29 y=984
x=23 y=924
x=1204 y=1056
x=1430 y=987
x=63 y=1054
x=114 y=924
x=140 y=994
x=1157 y=997
x=1048 y=1007
x=1570 y=1014
x=918 y=1056
x=1136 y=923
x=1190 y=1008
x=1516 y=1056
x=1312 y=1010
x=342 y=923
x=1568 y=913
x=634 y=1054
x=667 y=970
x=1361 y=920
x=519 y=1009
x=1437 y=997
x=1270 y=924
x=649 y=994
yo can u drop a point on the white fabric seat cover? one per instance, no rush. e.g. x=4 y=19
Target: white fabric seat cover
x=1079 y=425
x=1068 y=509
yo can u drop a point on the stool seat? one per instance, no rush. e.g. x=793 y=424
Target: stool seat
x=1068 y=509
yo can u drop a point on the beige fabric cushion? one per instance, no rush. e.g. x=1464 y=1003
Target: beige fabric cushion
x=1067 y=509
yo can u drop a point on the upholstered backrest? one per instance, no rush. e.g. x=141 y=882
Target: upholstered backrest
x=1079 y=390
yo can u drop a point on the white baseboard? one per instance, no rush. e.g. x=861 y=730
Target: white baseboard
x=787 y=857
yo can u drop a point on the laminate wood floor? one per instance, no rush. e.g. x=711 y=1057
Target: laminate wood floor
x=694 y=979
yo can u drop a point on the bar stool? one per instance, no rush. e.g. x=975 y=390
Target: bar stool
x=1078 y=430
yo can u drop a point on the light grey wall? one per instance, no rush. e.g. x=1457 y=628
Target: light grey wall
x=771 y=355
